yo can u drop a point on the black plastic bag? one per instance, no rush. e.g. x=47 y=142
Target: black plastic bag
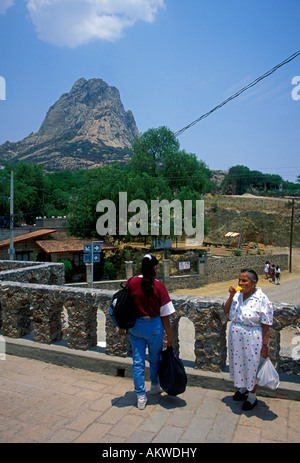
x=172 y=376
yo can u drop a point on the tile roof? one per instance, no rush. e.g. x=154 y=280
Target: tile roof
x=61 y=242
x=28 y=236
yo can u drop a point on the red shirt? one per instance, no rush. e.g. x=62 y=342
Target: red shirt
x=148 y=305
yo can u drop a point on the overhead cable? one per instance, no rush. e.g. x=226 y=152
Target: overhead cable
x=266 y=74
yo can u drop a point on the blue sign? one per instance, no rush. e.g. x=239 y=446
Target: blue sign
x=92 y=252
x=87 y=258
x=87 y=248
x=96 y=247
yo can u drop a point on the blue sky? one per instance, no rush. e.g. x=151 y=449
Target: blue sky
x=172 y=61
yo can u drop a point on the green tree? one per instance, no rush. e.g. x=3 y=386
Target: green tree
x=157 y=153
x=237 y=181
x=61 y=188
x=101 y=183
x=151 y=148
x=158 y=170
x=29 y=188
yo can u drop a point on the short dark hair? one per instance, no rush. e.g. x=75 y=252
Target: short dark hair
x=252 y=274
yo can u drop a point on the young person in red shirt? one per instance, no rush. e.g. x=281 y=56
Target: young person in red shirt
x=154 y=307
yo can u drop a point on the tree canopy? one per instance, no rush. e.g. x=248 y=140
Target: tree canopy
x=241 y=180
x=158 y=169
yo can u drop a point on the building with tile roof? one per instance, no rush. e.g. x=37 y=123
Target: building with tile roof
x=50 y=245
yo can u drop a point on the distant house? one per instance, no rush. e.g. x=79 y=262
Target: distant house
x=26 y=247
x=49 y=245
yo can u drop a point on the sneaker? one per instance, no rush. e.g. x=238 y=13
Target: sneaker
x=155 y=389
x=141 y=402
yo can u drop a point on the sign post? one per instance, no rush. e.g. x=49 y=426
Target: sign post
x=91 y=255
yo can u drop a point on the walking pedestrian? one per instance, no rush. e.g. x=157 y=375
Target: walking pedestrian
x=277 y=275
x=272 y=273
x=267 y=268
x=154 y=308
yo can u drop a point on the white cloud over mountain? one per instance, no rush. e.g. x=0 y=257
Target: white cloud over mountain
x=75 y=22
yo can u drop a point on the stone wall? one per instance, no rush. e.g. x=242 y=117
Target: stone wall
x=203 y=271
x=53 y=312
x=227 y=268
x=216 y=269
x=32 y=272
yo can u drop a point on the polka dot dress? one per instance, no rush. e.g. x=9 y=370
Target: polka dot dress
x=245 y=336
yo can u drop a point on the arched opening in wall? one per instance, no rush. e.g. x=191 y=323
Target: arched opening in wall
x=64 y=324
x=101 y=332
x=186 y=334
x=290 y=342
x=226 y=344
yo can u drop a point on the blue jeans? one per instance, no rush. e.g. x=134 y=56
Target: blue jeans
x=146 y=333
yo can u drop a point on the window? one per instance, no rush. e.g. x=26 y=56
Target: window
x=78 y=260
x=24 y=255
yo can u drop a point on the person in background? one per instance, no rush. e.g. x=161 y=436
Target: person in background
x=251 y=314
x=277 y=275
x=154 y=308
x=272 y=273
x=267 y=268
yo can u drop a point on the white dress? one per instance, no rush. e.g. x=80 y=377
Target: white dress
x=245 y=336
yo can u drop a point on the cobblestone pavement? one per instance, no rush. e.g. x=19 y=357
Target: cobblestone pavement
x=43 y=402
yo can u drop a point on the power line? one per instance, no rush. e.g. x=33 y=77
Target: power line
x=266 y=74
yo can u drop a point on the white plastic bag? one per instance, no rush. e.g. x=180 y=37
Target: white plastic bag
x=267 y=376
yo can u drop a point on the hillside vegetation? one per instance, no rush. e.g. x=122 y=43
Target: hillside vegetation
x=261 y=220
x=157 y=169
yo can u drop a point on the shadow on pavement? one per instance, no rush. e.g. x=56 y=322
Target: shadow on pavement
x=262 y=410
x=166 y=401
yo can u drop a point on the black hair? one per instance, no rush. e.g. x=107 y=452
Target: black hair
x=148 y=272
x=252 y=274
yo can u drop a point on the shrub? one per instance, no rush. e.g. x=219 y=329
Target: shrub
x=109 y=269
x=68 y=267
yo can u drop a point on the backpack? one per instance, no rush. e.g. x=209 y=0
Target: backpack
x=122 y=309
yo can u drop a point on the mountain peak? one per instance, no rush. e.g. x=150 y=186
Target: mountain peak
x=79 y=83
x=86 y=126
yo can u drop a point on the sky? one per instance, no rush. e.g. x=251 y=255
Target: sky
x=172 y=61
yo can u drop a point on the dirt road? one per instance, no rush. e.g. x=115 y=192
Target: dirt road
x=288 y=291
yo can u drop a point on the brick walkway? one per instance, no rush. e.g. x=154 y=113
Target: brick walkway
x=43 y=402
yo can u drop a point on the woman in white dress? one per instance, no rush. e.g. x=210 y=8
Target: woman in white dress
x=251 y=314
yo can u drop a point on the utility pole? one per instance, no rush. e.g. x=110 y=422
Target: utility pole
x=291 y=235
x=11 y=221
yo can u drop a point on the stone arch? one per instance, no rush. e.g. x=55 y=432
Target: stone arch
x=101 y=329
x=186 y=340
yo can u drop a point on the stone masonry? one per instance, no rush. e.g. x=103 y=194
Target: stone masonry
x=53 y=312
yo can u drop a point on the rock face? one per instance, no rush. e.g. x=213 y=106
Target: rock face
x=85 y=128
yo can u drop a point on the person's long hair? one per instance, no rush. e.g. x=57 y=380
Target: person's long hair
x=148 y=279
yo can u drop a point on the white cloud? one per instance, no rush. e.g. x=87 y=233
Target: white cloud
x=76 y=22
x=4 y=5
